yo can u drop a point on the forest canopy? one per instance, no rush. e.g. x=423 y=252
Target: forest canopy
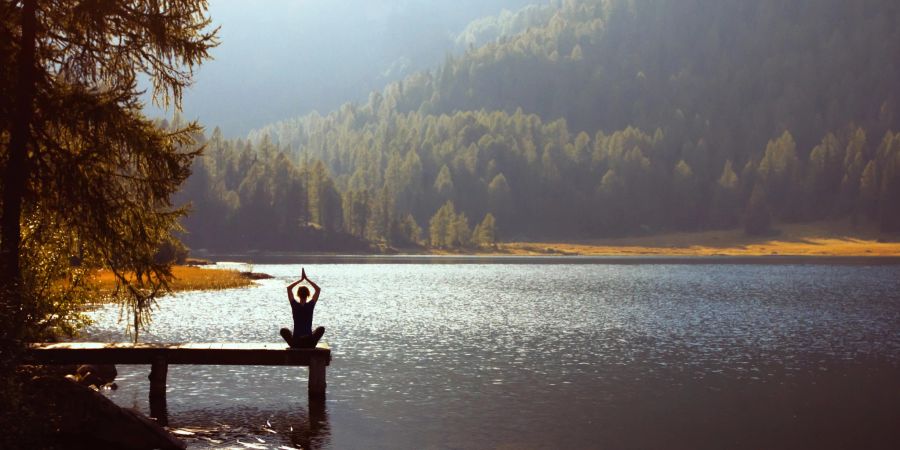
x=585 y=119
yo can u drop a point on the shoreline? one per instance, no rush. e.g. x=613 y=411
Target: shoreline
x=282 y=258
x=193 y=278
x=816 y=243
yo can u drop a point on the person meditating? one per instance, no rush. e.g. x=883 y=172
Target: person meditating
x=303 y=335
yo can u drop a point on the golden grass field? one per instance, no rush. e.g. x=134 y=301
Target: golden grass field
x=189 y=278
x=817 y=239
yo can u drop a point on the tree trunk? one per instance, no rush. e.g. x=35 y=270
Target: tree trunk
x=16 y=173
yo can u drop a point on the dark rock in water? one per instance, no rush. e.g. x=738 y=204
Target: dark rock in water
x=197 y=262
x=84 y=418
x=256 y=276
x=97 y=375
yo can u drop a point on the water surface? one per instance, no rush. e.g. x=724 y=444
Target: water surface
x=548 y=356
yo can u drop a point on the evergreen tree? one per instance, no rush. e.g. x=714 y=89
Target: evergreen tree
x=80 y=158
x=499 y=196
x=459 y=234
x=485 y=234
x=441 y=226
x=726 y=199
x=324 y=199
x=777 y=172
x=889 y=195
x=443 y=184
x=868 y=190
x=757 y=216
x=824 y=174
x=686 y=196
x=408 y=231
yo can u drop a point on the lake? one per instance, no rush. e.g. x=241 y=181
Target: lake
x=510 y=354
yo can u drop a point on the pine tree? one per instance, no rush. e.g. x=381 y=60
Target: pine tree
x=80 y=154
x=889 y=195
x=459 y=235
x=378 y=226
x=356 y=211
x=408 y=231
x=686 y=194
x=726 y=207
x=869 y=188
x=757 y=216
x=443 y=184
x=485 y=234
x=577 y=54
x=824 y=174
x=778 y=170
x=441 y=226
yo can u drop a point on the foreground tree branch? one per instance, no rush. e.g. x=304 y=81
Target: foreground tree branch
x=82 y=167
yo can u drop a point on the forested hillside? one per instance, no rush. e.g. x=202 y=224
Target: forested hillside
x=585 y=119
x=302 y=56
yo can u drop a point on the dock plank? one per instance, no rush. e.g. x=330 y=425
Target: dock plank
x=230 y=353
x=160 y=356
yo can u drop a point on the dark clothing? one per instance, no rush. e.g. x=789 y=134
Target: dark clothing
x=303 y=314
x=302 y=341
x=303 y=335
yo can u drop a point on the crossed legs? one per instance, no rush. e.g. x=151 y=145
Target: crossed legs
x=305 y=341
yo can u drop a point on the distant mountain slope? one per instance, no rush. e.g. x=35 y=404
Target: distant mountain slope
x=732 y=72
x=282 y=58
x=617 y=117
x=509 y=23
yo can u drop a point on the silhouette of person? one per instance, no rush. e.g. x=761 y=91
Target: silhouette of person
x=302 y=310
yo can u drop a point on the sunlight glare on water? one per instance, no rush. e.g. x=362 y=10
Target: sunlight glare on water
x=484 y=355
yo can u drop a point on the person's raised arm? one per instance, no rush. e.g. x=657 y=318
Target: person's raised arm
x=316 y=287
x=290 y=291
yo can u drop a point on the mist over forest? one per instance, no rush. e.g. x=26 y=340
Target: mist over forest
x=284 y=58
x=562 y=120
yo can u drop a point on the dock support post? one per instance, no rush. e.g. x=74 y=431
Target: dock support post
x=159 y=368
x=317 y=377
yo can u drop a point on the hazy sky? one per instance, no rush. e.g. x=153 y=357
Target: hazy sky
x=282 y=58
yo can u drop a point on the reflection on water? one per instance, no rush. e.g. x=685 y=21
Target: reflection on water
x=304 y=427
x=538 y=356
x=159 y=410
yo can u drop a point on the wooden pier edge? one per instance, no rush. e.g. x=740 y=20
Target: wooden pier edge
x=317 y=382
x=160 y=356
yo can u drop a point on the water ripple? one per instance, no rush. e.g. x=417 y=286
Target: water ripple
x=423 y=352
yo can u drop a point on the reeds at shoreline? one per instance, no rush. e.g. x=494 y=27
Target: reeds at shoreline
x=190 y=278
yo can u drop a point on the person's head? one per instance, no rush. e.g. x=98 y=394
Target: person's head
x=304 y=293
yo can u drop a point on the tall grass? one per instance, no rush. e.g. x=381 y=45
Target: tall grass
x=188 y=278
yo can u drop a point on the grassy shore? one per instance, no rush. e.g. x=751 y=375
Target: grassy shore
x=189 y=278
x=825 y=239
x=817 y=239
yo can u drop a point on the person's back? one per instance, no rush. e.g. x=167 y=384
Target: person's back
x=303 y=335
x=302 y=312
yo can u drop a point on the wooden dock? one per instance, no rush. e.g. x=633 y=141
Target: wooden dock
x=159 y=356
